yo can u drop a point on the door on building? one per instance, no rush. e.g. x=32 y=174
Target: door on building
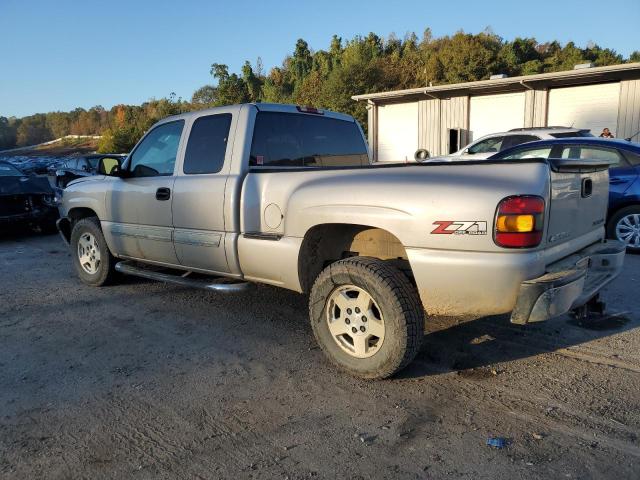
x=495 y=113
x=397 y=132
x=588 y=106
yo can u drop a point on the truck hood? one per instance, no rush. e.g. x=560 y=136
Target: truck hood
x=90 y=178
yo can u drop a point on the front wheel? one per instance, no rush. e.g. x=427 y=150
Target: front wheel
x=366 y=316
x=625 y=226
x=92 y=259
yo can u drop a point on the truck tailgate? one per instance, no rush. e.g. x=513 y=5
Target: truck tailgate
x=579 y=199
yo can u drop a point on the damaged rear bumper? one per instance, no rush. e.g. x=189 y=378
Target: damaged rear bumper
x=569 y=283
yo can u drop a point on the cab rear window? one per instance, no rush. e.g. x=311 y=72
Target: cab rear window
x=301 y=140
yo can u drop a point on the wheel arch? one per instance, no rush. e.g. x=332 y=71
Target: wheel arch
x=326 y=243
x=65 y=224
x=620 y=205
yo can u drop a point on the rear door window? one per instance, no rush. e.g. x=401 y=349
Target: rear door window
x=302 y=140
x=513 y=140
x=207 y=144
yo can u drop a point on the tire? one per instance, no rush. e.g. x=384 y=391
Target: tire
x=626 y=220
x=371 y=352
x=88 y=243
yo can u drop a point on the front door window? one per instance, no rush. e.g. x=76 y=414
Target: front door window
x=156 y=154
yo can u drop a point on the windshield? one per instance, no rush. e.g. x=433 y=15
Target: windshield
x=93 y=162
x=540 y=152
x=7 y=170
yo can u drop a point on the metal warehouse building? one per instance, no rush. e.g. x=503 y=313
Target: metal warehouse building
x=444 y=118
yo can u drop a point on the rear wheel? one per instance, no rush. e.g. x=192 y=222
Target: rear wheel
x=366 y=317
x=92 y=259
x=625 y=226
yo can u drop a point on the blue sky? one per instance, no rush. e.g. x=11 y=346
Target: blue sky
x=58 y=55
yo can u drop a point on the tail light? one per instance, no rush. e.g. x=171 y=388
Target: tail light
x=519 y=222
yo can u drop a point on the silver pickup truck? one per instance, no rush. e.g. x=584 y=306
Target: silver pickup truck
x=287 y=196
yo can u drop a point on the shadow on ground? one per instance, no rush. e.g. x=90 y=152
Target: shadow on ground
x=470 y=347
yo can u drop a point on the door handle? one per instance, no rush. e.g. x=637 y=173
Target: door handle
x=163 y=193
x=616 y=180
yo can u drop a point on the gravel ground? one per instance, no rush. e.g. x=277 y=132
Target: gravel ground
x=146 y=380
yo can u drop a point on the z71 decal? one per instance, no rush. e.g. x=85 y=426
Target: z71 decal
x=458 y=227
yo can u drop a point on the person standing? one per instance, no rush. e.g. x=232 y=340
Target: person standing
x=606 y=133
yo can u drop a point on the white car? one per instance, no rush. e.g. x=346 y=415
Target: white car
x=488 y=145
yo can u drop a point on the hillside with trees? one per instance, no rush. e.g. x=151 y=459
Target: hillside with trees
x=324 y=79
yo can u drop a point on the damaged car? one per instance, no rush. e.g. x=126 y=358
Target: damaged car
x=78 y=167
x=26 y=200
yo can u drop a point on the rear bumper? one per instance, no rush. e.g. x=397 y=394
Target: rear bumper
x=569 y=283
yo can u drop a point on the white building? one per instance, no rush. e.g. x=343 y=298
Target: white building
x=444 y=118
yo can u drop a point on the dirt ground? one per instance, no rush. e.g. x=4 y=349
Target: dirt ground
x=146 y=380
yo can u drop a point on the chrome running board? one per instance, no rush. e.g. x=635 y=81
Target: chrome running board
x=218 y=284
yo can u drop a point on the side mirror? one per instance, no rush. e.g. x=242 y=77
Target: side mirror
x=110 y=166
x=421 y=155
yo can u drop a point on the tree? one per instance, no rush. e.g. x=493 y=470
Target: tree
x=7 y=133
x=253 y=83
x=231 y=88
x=301 y=62
x=205 y=96
x=33 y=130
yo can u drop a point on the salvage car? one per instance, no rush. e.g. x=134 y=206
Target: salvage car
x=77 y=167
x=623 y=217
x=26 y=200
x=287 y=196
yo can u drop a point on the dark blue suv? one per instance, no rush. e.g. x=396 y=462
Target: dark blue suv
x=623 y=219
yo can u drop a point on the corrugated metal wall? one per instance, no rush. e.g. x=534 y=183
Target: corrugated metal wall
x=535 y=108
x=436 y=117
x=429 y=125
x=629 y=109
x=454 y=113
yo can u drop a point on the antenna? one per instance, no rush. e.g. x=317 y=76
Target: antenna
x=628 y=139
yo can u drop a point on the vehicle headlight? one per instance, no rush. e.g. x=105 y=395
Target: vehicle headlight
x=51 y=200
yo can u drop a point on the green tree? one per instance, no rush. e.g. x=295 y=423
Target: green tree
x=7 y=133
x=33 y=130
x=205 y=96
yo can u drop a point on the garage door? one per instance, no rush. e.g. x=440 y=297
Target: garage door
x=495 y=113
x=397 y=131
x=589 y=106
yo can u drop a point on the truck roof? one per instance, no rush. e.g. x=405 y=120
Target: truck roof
x=263 y=107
